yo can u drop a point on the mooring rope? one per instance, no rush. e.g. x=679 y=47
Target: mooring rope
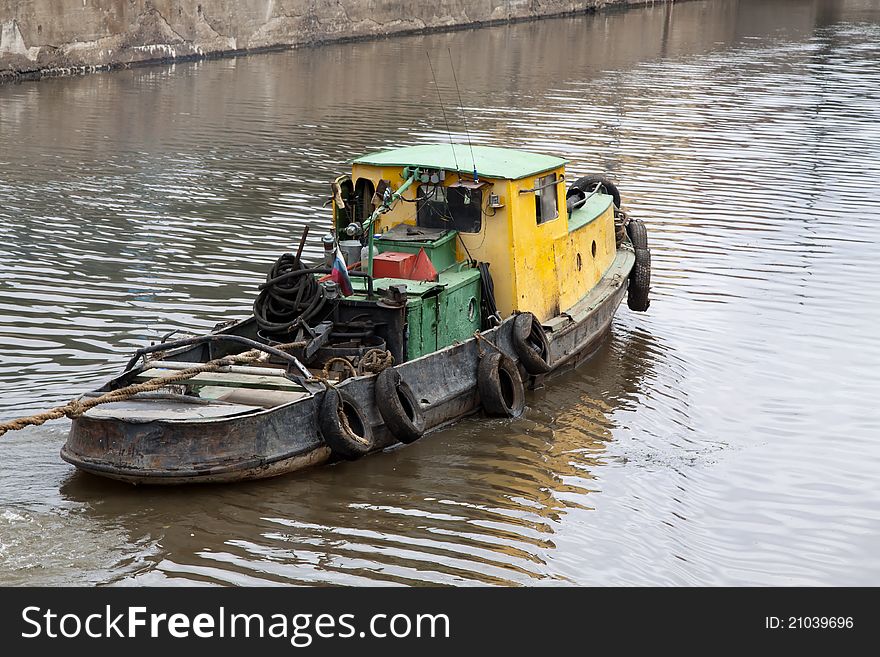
x=482 y=339
x=346 y=364
x=76 y=407
x=372 y=362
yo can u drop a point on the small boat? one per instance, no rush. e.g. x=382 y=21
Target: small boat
x=455 y=278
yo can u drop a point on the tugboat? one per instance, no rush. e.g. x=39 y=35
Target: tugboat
x=455 y=277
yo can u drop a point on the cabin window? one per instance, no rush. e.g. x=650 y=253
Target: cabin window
x=546 y=208
x=456 y=208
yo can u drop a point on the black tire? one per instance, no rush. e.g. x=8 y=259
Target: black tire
x=640 y=277
x=344 y=426
x=531 y=345
x=399 y=407
x=638 y=233
x=588 y=183
x=501 y=388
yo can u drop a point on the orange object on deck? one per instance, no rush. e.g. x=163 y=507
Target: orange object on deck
x=409 y=266
x=423 y=269
x=393 y=264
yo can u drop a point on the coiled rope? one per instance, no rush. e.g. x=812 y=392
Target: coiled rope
x=372 y=362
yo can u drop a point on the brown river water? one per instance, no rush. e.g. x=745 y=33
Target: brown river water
x=731 y=435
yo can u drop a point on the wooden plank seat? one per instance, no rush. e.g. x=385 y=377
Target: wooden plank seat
x=146 y=410
x=269 y=381
x=251 y=396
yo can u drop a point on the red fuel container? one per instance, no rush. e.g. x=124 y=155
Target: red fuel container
x=393 y=264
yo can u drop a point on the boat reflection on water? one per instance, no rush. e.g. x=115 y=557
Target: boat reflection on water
x=479 y=503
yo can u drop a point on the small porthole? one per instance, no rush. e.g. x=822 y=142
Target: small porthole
x=472 y=309
x=579 y=263
x=593 y=248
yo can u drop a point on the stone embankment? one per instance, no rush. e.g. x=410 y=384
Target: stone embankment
x=50 y=37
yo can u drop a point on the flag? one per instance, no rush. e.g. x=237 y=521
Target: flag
x=339 y=274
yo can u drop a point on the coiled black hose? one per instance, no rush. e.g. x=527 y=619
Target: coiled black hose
x=487 y=299
x=291 y=292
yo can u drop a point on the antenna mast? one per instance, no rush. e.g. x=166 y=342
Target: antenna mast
x=443 y=109
x=463 y=115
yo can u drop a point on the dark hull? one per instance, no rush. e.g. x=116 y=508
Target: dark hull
x=286 y=438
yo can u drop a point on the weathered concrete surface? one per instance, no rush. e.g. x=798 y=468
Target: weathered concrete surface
x=56 y=37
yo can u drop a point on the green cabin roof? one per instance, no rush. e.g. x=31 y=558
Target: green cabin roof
x=490 y=162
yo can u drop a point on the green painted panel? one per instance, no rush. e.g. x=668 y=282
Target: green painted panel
x=423 y=328
x=438 y=314
x=441 y=252
x=421 y=319
x=413 y=328
x=459 y=310
x=589 y=211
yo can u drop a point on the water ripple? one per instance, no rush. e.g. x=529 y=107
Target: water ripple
x=728 y=436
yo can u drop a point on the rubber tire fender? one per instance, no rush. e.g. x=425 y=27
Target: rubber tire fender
x=399 y=407
x=344 y=426
x=640 y=277
x=530 y=343
x=500 y=385
x=638 y=233
x=588 y=183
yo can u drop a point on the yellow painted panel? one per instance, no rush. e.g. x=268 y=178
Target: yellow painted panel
x=493 y=244
x=579 y=280
x=536 y=277
x=402 y=212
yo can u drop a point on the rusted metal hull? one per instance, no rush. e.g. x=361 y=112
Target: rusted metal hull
x=286 y=438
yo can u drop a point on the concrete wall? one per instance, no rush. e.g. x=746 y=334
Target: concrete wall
x=55 y=37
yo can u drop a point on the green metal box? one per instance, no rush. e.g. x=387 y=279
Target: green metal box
x=441 y=251
x=436 y=320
